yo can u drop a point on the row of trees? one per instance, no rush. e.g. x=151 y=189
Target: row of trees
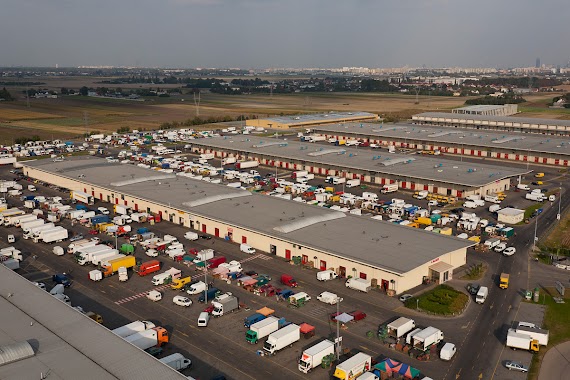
x=5 y=95
x=508 y=98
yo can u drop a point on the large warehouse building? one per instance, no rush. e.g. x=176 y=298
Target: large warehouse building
x=498 y=123
x=286 y=122
x=515 y=146
x=394 y=257
x=43 y=338
x=411 y=172
x=488 y=110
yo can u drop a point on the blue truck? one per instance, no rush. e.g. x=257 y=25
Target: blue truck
x=254 y=318
x=212 y=293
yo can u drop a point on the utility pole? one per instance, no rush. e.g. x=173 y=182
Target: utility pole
x=338 y=340
x=559 y=202
x=535 y=238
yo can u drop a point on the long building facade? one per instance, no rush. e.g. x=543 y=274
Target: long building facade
x=395 y=258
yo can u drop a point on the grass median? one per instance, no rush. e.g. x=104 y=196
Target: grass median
x=442 y=300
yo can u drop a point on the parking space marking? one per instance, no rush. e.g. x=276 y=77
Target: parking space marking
x=143 y=294
x=258 y=256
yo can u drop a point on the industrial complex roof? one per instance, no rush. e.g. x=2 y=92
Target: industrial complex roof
x=67 y=344
x=411 y=167
x=505 y=119
x=330 y=117
x=478 y=107
x=457 y=136
x=384 y=245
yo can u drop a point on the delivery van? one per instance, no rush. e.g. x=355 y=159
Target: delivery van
x=482 y=294
x=203 y=319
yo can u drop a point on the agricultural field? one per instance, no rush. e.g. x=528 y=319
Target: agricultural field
x=71 y=116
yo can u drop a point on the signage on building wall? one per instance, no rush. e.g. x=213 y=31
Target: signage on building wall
x=434 y=261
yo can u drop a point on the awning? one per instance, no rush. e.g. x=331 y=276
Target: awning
x=441 y=267
x=344 y=318
x=265 y=311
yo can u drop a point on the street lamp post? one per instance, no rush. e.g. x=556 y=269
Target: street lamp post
x=535 y=238
x=559 y=202
x=338 y=299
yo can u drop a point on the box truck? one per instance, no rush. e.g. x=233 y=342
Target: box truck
x=82 y=197
x=313 y=356
x=99 y=257
x=176 y=361
x=166 y=276
x=482 y=294
x=147 y=267
x=352 y=368
x=84 y=243
x=359 y=284
x=224 y=304
x=83 y=255
x=27 y=225
x=19 y=219
x=28 y=234
x=393 y=187
x=261 y=329
x=55 y=236
x=427 y=337
x=38 y=235
x=154 y=337
x=540 y=335
x=112 y=266
x=132 y=328
x=282 y=338
x=522 y=341
x=400 y=327
x=328 y=297
x=246 y=164
x=252 y=319
x=353 y=182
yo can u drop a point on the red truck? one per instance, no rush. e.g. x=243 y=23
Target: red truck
x=216 y=261
x=148 y=267
x=288 y=280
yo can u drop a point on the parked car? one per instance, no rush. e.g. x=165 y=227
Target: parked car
x=516 y=366
x=405 y=297
x=76 y=237
x=500 y=247
x=357 y=315
x=103 y=210
x=206 y=237
x=473 y=288
x=182 y=301
x=509 y=251
x=40 y=285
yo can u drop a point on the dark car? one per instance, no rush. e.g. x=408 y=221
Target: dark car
x=473 y=288
x=207 y=237
x=251 y=273
x=357 y=315
x=61 y=279
x=457 y=210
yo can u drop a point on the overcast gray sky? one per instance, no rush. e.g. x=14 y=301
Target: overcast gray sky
x=284 y=33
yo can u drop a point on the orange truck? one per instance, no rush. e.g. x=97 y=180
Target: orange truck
x=114 y=265
x=154 y=337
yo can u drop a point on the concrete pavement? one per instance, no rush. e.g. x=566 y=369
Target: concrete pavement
x=556 y=363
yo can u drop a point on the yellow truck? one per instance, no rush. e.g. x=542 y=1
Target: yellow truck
x=114 y=265
x=539 y=175
x=94 y=316
x=423 y=220
x=504 y=281
x=179 y=283
x=102 y=227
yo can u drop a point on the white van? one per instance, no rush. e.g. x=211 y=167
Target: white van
x=482 y=294
x=246 y=248
x=203 y=319
x=447 y=351
x=154 y=295
x=522 y=186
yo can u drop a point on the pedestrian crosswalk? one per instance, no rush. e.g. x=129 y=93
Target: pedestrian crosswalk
x=143 y=294
x=258 y=256
x=316 y=311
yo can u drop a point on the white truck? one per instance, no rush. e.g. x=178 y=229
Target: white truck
x=132 y=328
x=17 y=219
x=123 y=274
x=8 y=213
x=352 y=368
x=12 y=264
x=326 y=275
x=39 y=234
x=55 y=236
x=353 y=182
x=147 y=338
x=204 y=255
x=261 y=329
x=30 y=233
x=537 y=197
x=282 y=338
x=232 y=267
x=122 y=210
x=328 y=297
x=313 y=356
x=359 y=284
x=224 y=304
x=482 y=294
x=74 y=214
x=31 y=224
x=84 y=255
x=176 y=361
x=196 y=288
x=99 y=257
x=12 y=253
x=77 y=245
x=246 y=164
x=170 y=274
x=522 y=340
x=400 y=327
x=427 y=337
x=540 y=335
x=389 y=188
x=370 y=196
x=80 y=196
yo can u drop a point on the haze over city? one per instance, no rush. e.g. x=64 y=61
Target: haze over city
x=294 y=33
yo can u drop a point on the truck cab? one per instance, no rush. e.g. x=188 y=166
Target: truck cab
x=504 y=281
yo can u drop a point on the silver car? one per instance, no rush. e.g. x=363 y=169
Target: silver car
x=516 y=366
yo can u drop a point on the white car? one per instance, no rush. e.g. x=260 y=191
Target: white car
x=500 y=247
x=182 y=301
x=509 y=251
x=40 y=285
x=432 y=203
x=152 y=253
x=103 y=210
x=405 y=297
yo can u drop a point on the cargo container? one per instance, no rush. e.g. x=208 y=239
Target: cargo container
x=246 y=164
x=224 y=304
x=359 y=284
x=167 y=276
x=254 y=318
x=82 y=197
x=112 y=266
x=393 y=187
x=326 y=275
x=400 y=327
x=100 y=257
x=30 y=233
x=426 y=338
x=73 y=247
